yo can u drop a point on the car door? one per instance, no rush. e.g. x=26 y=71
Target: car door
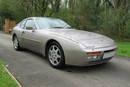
x=29 y=36
x=21 y=31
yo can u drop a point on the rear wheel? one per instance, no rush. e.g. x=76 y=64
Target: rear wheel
x=16 y=43
x=55 y=55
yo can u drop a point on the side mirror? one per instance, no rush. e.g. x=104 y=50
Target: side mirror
x=29 y=28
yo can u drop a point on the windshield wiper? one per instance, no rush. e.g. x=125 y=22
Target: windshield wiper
x=57 y=27
x=66 y=26
x=63 y=27
x=69 y=27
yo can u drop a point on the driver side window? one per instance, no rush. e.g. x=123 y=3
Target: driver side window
x=30 y=24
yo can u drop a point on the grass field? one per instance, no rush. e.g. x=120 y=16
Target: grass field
x=123 y=49
x=5 y=78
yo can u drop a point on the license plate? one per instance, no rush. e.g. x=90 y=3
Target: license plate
x=109 y=54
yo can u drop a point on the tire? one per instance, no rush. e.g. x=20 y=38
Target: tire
x=16 y=43
x=55 y=55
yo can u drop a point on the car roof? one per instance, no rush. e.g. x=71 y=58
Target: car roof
x=41 y=17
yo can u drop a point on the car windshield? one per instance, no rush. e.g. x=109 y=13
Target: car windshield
x=48 y=23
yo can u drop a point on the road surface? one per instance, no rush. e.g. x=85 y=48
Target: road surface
x=32 y=70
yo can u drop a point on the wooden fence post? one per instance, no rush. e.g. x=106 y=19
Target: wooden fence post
x=8 y=26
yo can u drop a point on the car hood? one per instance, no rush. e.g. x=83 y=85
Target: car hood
x=88 y=39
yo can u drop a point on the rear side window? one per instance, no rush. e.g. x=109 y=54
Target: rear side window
x=22 y=24
x=30 y=23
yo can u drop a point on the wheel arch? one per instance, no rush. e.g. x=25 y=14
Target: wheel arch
x=50 y=41
x=13 y=36
x=47 y=44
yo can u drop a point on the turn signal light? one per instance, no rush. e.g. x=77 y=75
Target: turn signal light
x=93 y=53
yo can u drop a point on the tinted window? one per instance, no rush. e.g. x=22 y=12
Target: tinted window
x=30 y=23
x=47 y=23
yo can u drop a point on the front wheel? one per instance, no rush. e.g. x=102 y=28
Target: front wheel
x=55 y=55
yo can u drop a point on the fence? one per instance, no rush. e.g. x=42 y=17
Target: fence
x=8 y=26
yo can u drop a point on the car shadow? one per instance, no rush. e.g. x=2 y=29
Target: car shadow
x=40 y=56
x=105 y=67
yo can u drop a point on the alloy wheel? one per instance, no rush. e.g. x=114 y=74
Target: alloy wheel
x=54 y=55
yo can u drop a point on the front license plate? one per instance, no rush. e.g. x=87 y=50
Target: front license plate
x=109 y=54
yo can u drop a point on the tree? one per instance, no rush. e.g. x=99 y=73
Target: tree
x=109 y=17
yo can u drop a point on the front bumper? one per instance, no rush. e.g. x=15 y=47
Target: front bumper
x=80 y=58
x=104 y=57
x=77 y=55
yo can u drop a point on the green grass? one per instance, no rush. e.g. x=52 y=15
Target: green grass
x=5 y=78
x=123 y=49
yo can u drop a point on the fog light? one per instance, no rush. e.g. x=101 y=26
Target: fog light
x=92 y=57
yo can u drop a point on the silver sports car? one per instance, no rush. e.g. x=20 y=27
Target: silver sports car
x=61 y=44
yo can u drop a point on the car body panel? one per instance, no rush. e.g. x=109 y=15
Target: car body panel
x=75 y=43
